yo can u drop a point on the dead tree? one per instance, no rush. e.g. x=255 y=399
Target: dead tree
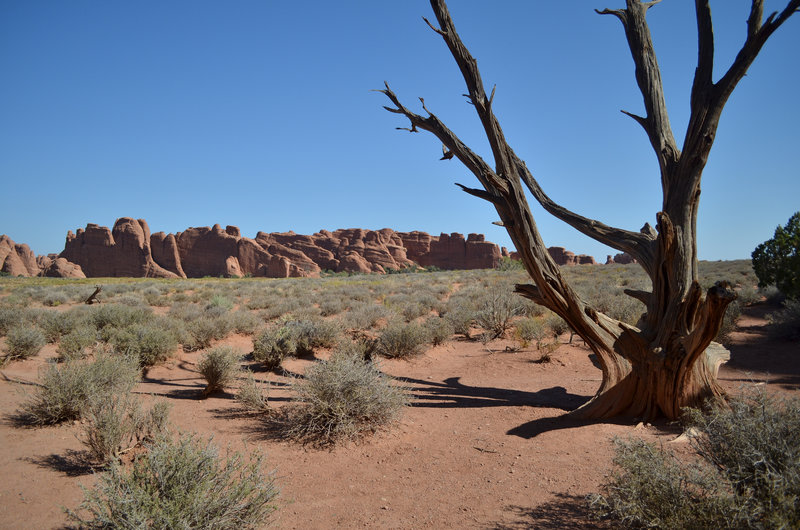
x=662 y=364
x=92 y=299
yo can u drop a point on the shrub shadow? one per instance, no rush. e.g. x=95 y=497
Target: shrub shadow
x=73 y=463
x=567 y=511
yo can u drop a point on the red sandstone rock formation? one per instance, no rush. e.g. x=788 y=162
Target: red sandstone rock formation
x=450 y=251
x=54 y=267
x=123 y=251
x=17 y=259
x=563 y=256
x=623 y=259
x=130 y=250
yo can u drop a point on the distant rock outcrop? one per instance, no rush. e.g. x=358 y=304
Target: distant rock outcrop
x=563 y=256
x=130 y=250
x=54 y=267
x=621 y=259
x=123 y=251
x=17 y=259
x=451 y=251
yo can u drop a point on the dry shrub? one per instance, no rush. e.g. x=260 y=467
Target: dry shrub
x=497 y=312
x=341 y=399
x=219 y=367
x=747 y=474
x=252 y=396
x=66 y=390
x=116 y=423
x=402 y=340
x=180 y=484
x=23 y=342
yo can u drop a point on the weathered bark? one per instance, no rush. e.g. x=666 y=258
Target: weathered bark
x=664 y=363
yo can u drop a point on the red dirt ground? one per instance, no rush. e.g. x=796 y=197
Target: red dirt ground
x=482 y=446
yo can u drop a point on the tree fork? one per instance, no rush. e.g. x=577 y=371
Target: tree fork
x=667 y=361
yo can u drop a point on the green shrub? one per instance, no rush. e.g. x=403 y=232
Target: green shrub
x=219 y=367
x=785 y=323
x=527 y=330
x=461 y=318
x=438 y=330
x=73 y=344
x=291 y=338
x=496 y=313
x=777 y=260
x=219 y=301
x=651 y=489
x=732 y=314
x=755 y=442
x=115 y=423
x=747 y=475
x=251 y=395
x=402 y=340
x=272 y=345
x=23 y=342
x=66 y=389
x=55 y=299
x=365 y=315
x=56 y=324
x=341 y=399
x=180 y=484
x=116 y=316
x=204 y=329
x=152 y=343
x=9 y=318
x=557 y=325
x=244 y=322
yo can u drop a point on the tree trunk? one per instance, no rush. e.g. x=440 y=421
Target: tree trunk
x=667 y=361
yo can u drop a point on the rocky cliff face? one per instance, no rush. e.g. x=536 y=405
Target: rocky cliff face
x=451 y=251
x=129 y=249
x=122 y=251
x=563 y=256
x=17 y=259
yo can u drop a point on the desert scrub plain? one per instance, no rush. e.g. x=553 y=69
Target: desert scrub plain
x=403 y=400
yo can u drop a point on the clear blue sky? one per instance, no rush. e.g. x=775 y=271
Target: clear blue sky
x=259 y=114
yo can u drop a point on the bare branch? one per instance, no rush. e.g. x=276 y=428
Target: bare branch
x=434 y=28
x=705 y=52
x=641 y=121
x=639 y=245
x=648 y=77
x=754 y=20
x=481 y=194
x=619 y=13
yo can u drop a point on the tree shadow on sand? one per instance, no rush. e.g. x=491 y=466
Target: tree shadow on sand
x=451 y=393
x=567 y=511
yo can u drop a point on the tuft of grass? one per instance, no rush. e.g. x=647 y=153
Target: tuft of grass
x=181 y=484
x=341 y=399
x=219 y=367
